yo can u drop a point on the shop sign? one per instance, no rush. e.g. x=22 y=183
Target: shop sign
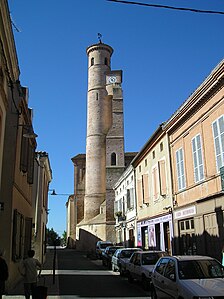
x=185 y=212
x=165 y=218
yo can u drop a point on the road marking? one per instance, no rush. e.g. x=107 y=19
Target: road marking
x=79 y=272
x=73 y=297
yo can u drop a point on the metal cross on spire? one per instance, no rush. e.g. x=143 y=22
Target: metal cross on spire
x=99 y=37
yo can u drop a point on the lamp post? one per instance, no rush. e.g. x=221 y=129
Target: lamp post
x=54 y=193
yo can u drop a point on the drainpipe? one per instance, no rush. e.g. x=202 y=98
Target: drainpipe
x=37 y=195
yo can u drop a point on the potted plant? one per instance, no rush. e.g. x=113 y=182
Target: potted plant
x=118 y=213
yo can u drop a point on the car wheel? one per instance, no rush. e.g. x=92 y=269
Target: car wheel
x=145 y=283
x=130 y=278
x=153 y=293
x=121 y=272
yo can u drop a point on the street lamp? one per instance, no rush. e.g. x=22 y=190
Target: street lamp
x=29 y=131
x=55 y=193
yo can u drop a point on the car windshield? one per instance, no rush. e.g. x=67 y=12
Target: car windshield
x=112 y=250
x=126 y=253
x=199 y=269
x=150 y=258
x=104 y=245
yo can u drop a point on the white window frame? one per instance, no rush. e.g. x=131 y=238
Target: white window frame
x=181 y=181
x=197 y=156
x=218 y=143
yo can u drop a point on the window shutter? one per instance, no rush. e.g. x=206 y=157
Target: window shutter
x=162 y=177
x=180 y=169
x=116 y=206
x=218 y=133
x=197 y=159
x=0 y=123
x=139 y=193
x=146 y=188
x=155 y=184
x=131 y=197
x=128 y=199
x=30 y=165
x=24 y=152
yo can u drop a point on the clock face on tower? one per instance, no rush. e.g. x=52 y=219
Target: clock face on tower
x=112 y=79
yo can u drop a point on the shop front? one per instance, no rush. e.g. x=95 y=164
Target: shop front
x=155 y=233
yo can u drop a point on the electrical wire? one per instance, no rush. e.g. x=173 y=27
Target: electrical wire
x=169 y=7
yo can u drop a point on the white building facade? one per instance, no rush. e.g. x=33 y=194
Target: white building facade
x=125 y=209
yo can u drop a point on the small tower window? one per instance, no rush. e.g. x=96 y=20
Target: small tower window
x=113 y=159
x=106 y=61
x=153 y=154
x=92 y=61
x=161 y=146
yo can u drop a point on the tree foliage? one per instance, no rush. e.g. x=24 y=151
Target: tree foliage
x=64 y=238
x=53 y=238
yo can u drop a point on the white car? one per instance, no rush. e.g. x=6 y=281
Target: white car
x=141 y=264
x=121 y=258
x=188 y=277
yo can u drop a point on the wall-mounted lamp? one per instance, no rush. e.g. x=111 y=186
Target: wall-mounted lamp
x=30 y=133
x=168 y=208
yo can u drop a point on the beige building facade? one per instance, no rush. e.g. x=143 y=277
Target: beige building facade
x=71 y=215
x=196 y=133
x=17 y=156
x=42 y=179
x=154 y=193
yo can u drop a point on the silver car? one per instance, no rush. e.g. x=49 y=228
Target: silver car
x=121 y=258
x=187 y=277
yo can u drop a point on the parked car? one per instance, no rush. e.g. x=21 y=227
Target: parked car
x=107 y=255
x=187 y=277
x=141 y=264
x=101 y=246
x=121 y=258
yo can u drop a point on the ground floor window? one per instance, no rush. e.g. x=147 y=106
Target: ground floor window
x=187 y=236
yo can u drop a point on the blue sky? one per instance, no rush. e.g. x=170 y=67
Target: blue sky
x=165 y=55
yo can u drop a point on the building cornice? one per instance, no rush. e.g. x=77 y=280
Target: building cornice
x=213 y=83
x=157 y=135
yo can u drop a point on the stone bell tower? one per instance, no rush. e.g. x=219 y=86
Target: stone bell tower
x=104 y=159
x=99 y=120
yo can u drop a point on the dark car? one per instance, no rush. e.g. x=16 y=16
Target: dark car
x=107 y=255
x=101 y=246
x=188 y=277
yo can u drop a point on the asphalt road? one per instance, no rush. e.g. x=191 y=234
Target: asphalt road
x=77 y=276
x=84 y=277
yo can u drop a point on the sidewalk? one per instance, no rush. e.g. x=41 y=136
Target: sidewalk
x=46 y=273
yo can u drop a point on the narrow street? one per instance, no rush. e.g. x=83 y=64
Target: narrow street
x=77 y=276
